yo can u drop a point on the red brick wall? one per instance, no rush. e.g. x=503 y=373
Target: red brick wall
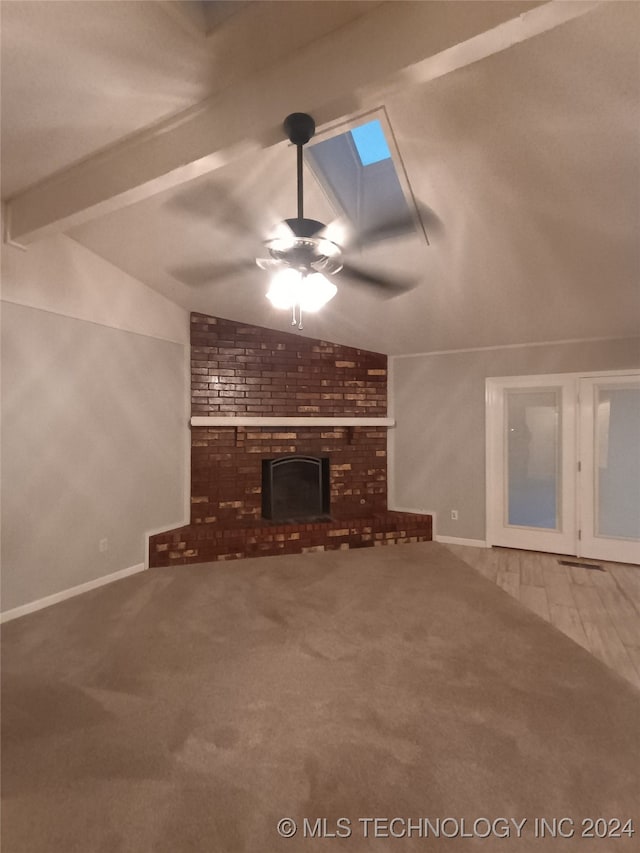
x=240 y=369
x=245 y=370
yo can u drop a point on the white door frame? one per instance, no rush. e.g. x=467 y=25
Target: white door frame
x=530 y=538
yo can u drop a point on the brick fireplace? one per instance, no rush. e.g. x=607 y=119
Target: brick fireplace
x=251 y=388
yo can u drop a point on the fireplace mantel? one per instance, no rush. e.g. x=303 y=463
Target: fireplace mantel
x=242 y=420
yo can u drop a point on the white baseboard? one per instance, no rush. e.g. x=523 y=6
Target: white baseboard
x=32 y=606
x=457 y=540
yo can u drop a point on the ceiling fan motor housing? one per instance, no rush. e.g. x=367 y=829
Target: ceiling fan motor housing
x=304 y=228
x=306 y=249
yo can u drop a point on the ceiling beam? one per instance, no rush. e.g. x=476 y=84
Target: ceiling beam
x=395 y=46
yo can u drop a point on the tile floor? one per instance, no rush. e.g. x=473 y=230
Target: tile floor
x=600 y=610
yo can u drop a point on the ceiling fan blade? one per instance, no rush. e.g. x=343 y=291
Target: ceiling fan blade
x=198 y=275
x=281 y=230
x=339 y=231
x=428 y=221
x=213 y=203
x=386 y=286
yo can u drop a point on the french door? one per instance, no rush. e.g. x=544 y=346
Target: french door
x=609 y=495
x=563 y=464
x=531 y=451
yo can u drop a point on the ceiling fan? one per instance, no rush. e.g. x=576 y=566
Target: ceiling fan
x=304 y=255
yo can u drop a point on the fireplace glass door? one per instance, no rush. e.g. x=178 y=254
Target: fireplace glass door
x=295 y=488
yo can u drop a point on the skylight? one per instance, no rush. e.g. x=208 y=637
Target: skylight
x=357 y=170
x=370 y=142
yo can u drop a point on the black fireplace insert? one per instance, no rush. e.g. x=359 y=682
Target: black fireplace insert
x=296 y=488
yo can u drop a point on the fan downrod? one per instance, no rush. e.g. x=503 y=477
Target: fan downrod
x=299 y=127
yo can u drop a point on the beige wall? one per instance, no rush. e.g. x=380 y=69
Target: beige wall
x=61 y=276
x=94 y=419
x=437 y=449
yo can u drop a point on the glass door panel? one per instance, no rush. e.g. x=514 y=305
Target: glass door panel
x=610 y=462
x=533 y=480
x=531 y=463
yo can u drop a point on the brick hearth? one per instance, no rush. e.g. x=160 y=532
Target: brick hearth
x=241 y=370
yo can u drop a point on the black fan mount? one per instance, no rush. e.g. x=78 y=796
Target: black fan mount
x=302 y=243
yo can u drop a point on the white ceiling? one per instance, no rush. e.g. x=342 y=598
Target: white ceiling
x=530 y=158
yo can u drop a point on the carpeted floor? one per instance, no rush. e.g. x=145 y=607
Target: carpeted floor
x=191 y=709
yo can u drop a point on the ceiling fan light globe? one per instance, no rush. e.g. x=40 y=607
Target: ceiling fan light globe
x=284 y=288
x=315 y=291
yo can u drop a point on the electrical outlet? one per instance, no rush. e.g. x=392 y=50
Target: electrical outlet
x=454 y=515
x=103 y=545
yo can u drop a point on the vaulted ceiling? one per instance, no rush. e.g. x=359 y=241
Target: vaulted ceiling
x=151 y=133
